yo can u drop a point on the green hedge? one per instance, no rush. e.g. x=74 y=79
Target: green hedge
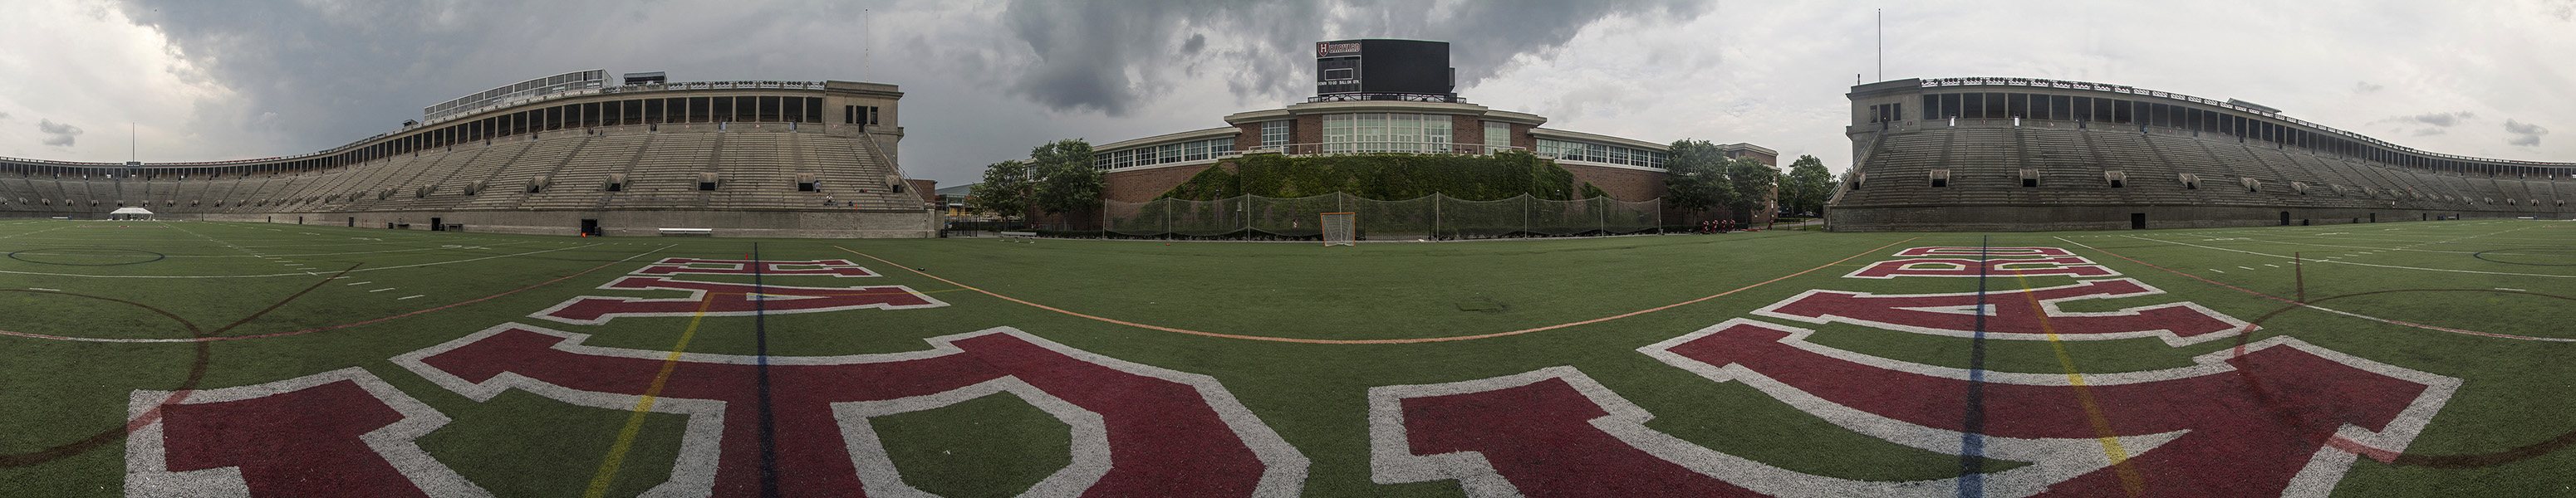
x=1387 y=177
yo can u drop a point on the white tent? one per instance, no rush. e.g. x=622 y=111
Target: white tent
x=131 y=213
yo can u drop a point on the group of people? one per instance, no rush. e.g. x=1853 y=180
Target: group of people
x=1716 y=226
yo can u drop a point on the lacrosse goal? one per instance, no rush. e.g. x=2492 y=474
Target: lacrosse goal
x=1338 y=229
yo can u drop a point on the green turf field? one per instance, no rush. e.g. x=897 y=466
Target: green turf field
x=2445 y=370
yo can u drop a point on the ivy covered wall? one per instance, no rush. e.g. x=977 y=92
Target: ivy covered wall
x=1387 y=177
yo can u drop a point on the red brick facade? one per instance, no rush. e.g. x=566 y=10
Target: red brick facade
x=1247 y=135
x=1621 y=183
x=1146 y=184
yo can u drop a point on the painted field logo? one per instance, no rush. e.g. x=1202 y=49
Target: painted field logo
x=798 y=425
x=2013 y=315
x=1138 y=429
x=732 y=299
x=2271 y=418
x=2269 y=422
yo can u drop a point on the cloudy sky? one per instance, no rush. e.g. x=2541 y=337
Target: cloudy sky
x=984 y=82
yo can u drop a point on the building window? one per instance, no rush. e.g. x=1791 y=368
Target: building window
x=1197 y=150
x=1497 y=135
x=1599 y=153
x=1386 y=132
x=1275 y=133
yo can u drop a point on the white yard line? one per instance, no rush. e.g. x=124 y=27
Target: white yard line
x=292 y=274
x=2354 y=263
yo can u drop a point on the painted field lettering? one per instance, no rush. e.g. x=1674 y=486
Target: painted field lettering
x=1948 y=267
x=2008 y=314
x=1990 y=252
x=1138 y=429
x=2267 y=422
x=338 y=433
x=730 y=299
x=832 y=267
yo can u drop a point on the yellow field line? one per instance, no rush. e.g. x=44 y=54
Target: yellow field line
x=2130 y=480
x=1381 y=341
x=635 y=423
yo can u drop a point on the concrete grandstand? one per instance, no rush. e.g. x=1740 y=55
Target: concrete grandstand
x=566 y=154
x=2018 y=154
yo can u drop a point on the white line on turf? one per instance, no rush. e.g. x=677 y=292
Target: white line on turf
x=44 y=289
x=383 y=289
x=409 y=297
x=2515 y=290
x=291 y=274
x=364 y=283
x=2354 y=263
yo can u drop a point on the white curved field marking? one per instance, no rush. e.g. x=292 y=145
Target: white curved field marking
x=2352 y=314
x=2352 y=263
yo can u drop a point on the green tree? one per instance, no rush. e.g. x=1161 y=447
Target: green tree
x=1699 y=176
x=1751 y=186
x=1808 y=186
x=1005 y=189
x=1062 y=177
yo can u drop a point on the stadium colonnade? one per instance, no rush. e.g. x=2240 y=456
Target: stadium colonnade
x=2018 y=154
x=566 y=154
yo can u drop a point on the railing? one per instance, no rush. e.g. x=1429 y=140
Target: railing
x=1396 y=97
x=665 y=87
x=1383 y=147
x=452 y=116
x=2103 y=87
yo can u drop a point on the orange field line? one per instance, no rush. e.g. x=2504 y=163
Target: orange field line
x=1379 y=341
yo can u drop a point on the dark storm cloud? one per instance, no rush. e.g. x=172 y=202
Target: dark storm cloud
x=59 y=134
x=2524 y=134
x=327 y=73
x=1111 y=55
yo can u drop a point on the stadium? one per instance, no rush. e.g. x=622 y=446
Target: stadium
x=2015 y=154
x=566 y=154
x=1968 y=330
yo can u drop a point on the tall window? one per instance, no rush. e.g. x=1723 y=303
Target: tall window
x=1498 y=135
x=1385 y=132
x=1274 y=133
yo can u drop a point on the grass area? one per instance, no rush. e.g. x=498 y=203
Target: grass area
x=1299 y=333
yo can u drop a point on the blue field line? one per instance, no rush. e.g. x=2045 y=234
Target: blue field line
x=760 y=379
x=1972 y=439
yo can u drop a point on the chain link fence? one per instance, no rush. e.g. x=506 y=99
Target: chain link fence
x=1432 y=217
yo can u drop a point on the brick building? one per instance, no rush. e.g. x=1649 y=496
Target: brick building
x=1389 y=96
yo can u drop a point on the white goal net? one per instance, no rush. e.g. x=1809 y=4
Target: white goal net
x=1338 y=229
